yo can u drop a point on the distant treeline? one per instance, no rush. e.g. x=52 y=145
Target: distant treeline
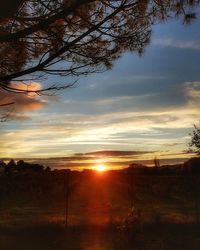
x=20 y=166
x=192 y=166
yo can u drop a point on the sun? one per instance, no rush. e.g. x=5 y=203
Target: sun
x=100 y=168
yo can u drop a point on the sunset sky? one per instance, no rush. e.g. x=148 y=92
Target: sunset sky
x=144 y=107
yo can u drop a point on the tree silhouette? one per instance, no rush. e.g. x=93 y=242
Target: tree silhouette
x=195 y=140
x=73 y=38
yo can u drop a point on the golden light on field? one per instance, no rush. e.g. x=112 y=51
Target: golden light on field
x=100 y=168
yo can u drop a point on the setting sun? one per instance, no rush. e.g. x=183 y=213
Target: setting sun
x=100 y=168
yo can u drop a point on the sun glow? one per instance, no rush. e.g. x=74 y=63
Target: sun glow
x=100 y=168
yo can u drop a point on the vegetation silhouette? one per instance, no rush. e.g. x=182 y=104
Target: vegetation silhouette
x=195 y=140
x=74 y=38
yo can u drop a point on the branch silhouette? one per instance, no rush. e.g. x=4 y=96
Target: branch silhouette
x=74 y=38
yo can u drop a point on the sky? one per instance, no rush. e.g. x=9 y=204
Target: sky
x=144 y=107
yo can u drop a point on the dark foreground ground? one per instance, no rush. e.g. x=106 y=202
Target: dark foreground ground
x=152 y=237
x=165 y=212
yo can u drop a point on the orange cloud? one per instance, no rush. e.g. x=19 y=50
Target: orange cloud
x=22 y=102
x=32 y=86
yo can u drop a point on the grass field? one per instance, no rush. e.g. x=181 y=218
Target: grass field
x=33 y=211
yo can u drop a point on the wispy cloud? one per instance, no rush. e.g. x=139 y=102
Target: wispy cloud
x=192 y=90
x=136 y=131
x=179 y=44
x=115 y=153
